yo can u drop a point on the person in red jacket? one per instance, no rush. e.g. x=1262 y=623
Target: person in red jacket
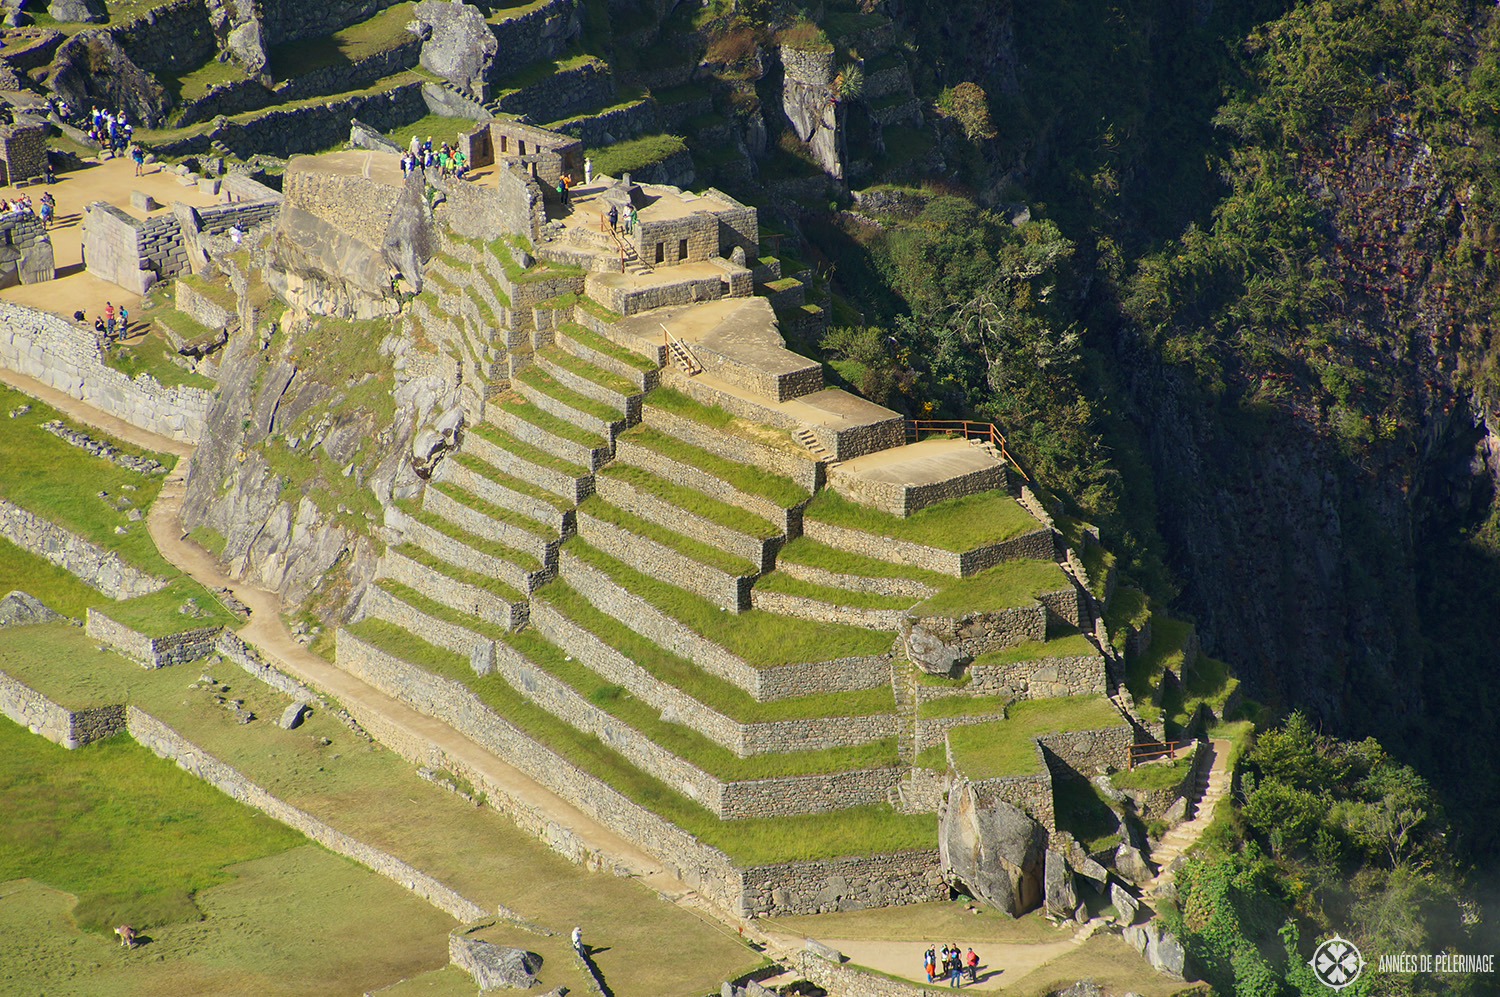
x=972 y=961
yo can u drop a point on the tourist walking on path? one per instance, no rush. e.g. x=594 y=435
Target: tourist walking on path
x=929 y=963
x=630 y=221
x=138 y=157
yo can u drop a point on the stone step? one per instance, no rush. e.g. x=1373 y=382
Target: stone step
x=547 y=432
x=517 y=458
x=528 y=538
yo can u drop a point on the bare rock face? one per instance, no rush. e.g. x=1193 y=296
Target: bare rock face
x=78 y=11
x=458 y=45
x=409 y=238
x=248 y=46
x=362 y=136
x=18 y=609
x=1160 y=947
x=807 y=101
x=1059 y=896
x=92 y=68
x=494 y=966
x=994 y=850
x=1130 y=863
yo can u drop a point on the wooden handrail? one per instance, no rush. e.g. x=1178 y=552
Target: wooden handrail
x=1140 y=752
x=968 y=429
x=669 y=340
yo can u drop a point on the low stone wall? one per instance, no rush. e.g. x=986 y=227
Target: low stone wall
x=780 y=682
x=93 y=565
x=846 y=981
x=759 y=551
x=824 y=886
x=586 y=456
x=236 y=650
x=651 y=558
x=826 y=612
x=455 y=552
x=629 y=403
x=1041 y=678
x=1031 y=793
x=614 y=125
x=153 y=652
x=193 y=303
x=69 y=728
x=575 y=490
x=1089 y=752
x=454 y=594
x=542 y=33
x=66 y=356
x=903 y=588
x=477 y=523
x=629 y=300
x=904 y=499
x=1036 y=545
x=743 y=738
x=562 y=94
x=1068 y=605
x=632 y=453
x=933 y=730
x=452 y=472
x=380 y=604
x=977 y=633
x=167 y=743
x=645 y=380
x=805 y=472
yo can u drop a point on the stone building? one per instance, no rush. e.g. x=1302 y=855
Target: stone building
x=23 y=153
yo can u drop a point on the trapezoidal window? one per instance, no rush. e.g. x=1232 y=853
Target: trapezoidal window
x=682 y=249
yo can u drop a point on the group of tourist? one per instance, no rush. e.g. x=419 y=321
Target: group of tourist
x=952 y=965
x=111 y=325
x=44 y=207
x=113 y=132
x=449 y=161
x=615 y=218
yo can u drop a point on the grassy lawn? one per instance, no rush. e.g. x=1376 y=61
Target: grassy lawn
x=384 y=31
x=963 y=706
x=1154 y=775
x=1006 y=747
x=946 y=919
x=195 y=83
x=61 y=482
x=159 y=613
x=539 y=379
x=98 y=820
x=684 y=545
x=600 y=344
x=958 y=524
x=525 y=450
x=776 y=581
x=491 y=585
x=690 y=499
x=519 y=407
x=710 y=690
x=1128 y=607
x=436 y=126
x=858 y=831
x=762 y=639
x=605 y=379
x=1207 y=682
x=509 y=481
x=519 y=558
x=1007 y=584
x=152 y=354
x=1144 y=671
x=844 y=562
x=746 y=477
x=58 y=589
x=1069 y=644
x=632 y=154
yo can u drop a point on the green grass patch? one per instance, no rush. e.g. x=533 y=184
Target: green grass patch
x=491 y=473
x=382 y=32
x=535 y=377
x=857 y=831
x=97 y=822
x=783 y=491
x=577 y=365
x=633 y=154
x=710 y=690
x=844 y=562
x=61 y=482
x=520 y=559
x=599 y=311
x=1007 y=584
x=153 y=356
x=600 y=344
x=209 y=539
x=963 y=706
x=934 y=757
x=959 y=524
x=494 y=586
x=526 y=451
x=1154 y=775
x=498 y=513
x=681 y=94
x=684 y=545
x=761 y=639
x=55 y=587
x=1007 y=747
x=729 y=516
x=778 y=581
x=1068 y=644
x=197 y=83
x=159 y=613
x=1128 y=608
x=674 y=401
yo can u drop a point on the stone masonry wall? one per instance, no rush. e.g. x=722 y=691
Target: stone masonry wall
x=480 y=650
x=514 y=204
x=90 y=563
x=627 y=451
x=804 y=471
x=765 y=684
x=787 y=604
x=562 y=94
x=905 y=499
x=291 y=20
x=165 y=742
x=168 y=40
x=66 y=356
x=976 y=633
x=454 y=594
x=616 y=124
x=542 y=33
x=827 y=885
x=1031 y=793
x=651 y=558
x=1041 y=678
x=1089 y=752
x=153 y=652
x=904 y=588
x=759 y=551
x=360 y=206
x=69 y=728
x=1035 y=545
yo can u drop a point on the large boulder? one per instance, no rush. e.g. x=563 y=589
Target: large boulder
x=92 y=68
x=19 y=609
x=1125 y=904
x=993 y=850
x=78 y=11
x=927 y=651
x=458 y=45
x=1130 y=863
x=409 y=237
x=1059 y=898
x=1160 y=947
x=362 y=136
x=494 y=966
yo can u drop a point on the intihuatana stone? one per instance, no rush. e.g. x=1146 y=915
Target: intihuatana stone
x=994 y=850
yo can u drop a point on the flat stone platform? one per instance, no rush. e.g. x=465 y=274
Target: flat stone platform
x=907 y=479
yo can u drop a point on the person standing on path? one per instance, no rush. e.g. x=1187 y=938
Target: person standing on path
x=614 y=217
x=929 y=963
x=973 y=961
x=578 y=939
x=588 y=170
x=630 y=221
x=956 y=973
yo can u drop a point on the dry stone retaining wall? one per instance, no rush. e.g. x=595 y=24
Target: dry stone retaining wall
x=153 y=652
x=445 y=548
x=69 y=728
x=789 y=520
x=804 y=471
x=904 y=499
x=480 y=650
x=573 y=489
x=651 y=558
x=66 y=356
x=1090 y=752
x=759 y=551
x=449 y=591
x=976 y=633
x=1041 y=678
x=90 y=563
x=167 y=743
x=477 y=523
x=1037 y=545
x=827 y=885
x=1031 y=793
x=826 y=612
x=902 y=588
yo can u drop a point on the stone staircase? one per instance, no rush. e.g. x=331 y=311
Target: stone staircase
x=1212 y=786
x=904 y=687
x=809 y=440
